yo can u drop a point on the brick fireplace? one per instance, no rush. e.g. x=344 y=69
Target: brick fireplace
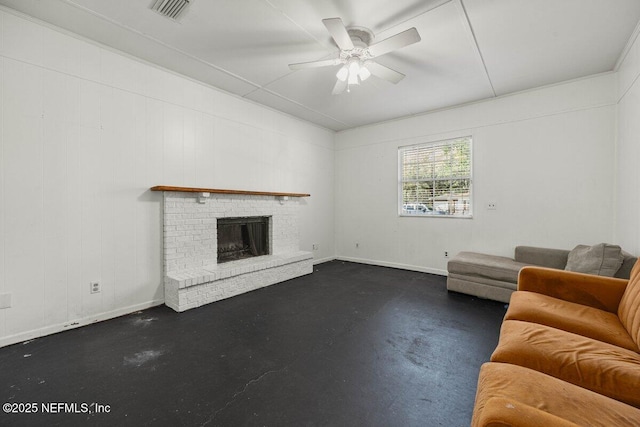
x=193 y=274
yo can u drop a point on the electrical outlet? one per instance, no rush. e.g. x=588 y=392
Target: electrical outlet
x=5 y=301
x=492 y=206
x=357 y=245
x=315 y=246
x=94 y=287
x=446 y=254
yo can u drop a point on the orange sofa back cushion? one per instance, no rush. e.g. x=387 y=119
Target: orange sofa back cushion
x=629 y=308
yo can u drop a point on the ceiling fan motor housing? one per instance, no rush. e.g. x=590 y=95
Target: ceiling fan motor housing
x=360 y=36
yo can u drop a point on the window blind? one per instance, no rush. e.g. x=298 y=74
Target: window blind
x=435 y=178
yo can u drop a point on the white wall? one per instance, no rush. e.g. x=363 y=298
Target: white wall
x=545 y=157
x=627 y=228
x=85 y=133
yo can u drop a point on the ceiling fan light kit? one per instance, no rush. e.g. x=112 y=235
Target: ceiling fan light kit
x=353 y=72
x=343 y=73
x=357 y=54
x=364 y=73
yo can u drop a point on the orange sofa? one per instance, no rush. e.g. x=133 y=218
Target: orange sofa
x=568 y=353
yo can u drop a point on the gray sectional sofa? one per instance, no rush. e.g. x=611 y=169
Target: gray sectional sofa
x=495 y=277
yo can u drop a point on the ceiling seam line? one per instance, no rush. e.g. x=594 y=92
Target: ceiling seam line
x=255 y=88
x=294 y=102
x=414 y=17
x=477 y=46
x=296 y=24
x=627 y=48
x=304 y=30
x=471 y=128
x=160 y=42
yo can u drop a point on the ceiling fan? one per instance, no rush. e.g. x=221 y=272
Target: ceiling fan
x=357 y=54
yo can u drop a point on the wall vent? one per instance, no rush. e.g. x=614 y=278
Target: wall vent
x=172 y=9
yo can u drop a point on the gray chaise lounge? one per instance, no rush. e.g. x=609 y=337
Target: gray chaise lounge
x=495 y=277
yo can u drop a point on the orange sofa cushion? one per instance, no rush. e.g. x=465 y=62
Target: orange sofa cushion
x=512 y=395
x=599 y=292
x=601 y=367
x=629 y=308
x=571 y=317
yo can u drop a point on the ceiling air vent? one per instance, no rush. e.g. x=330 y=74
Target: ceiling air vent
x=172 y=9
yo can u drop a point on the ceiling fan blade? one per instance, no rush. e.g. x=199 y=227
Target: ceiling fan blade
x=402 y=39
x=315 y=64
x=339 y=33
x=383 y=72
x=339 y=87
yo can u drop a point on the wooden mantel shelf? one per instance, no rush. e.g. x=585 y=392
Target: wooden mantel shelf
x=218 y=191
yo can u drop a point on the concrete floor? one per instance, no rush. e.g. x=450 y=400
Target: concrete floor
x=349 y=345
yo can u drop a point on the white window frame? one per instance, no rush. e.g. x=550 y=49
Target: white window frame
x=402 y=212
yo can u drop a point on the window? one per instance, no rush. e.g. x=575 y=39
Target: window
x=435 y=178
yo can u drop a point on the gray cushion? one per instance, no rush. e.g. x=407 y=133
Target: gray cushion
x=601 y=259
x=482 y=265
x=545 y=257
x=624 y=272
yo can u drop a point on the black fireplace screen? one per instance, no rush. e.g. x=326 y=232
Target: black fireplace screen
x=240 y=238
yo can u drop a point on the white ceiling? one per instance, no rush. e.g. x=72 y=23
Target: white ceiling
x=470 y=49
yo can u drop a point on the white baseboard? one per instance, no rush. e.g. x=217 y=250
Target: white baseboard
x=53 y=329
x=395 y=265
x=321 y=260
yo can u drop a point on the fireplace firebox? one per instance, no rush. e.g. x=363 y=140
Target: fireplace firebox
x=240 y=238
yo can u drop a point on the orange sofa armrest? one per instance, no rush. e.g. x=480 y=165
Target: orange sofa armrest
x=599 y=292
x=503 y=412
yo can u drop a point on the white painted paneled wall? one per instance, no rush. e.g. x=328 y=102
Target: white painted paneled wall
x=628 y=151
x=85 y=133
x=545 y=157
